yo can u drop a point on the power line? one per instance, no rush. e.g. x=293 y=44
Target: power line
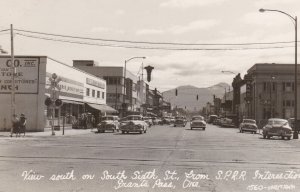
x=4 y=30
x=153 y=48
x=155 y=43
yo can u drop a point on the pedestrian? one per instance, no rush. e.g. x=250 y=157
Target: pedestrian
x=15 y=125
x=22 y=128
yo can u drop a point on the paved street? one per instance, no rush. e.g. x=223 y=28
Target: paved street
x=166 y=158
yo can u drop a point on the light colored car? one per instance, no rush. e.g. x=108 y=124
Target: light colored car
x=198 y=122
x=248 y=125
x=179 y=122
x=108 y=122
x=148 y=120
x=277 y=127
x=133 y=123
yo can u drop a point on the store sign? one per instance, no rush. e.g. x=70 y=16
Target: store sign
x=67 y=87
x=26 y=75
x=95 y=83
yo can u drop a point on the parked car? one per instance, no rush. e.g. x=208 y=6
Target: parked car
x=108 y=122
x=198 y=122
x=133 y=123
x=248 y=125
x=292 y=123
x=226 y=122
x=149 y=121
x=277 y=127
x=211 y=118
x=179 y=122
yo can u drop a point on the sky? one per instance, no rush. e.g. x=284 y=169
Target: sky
x=235 y=23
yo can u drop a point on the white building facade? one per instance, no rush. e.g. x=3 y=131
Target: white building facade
x=77 y=89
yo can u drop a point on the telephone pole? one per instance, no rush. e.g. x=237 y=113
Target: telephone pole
x=13 y=71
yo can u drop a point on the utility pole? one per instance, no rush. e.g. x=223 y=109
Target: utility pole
x=13 y=71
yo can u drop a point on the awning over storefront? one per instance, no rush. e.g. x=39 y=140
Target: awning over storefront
x=103 y=108
x=73 y=102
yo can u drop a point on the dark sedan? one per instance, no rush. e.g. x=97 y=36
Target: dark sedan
x=277 y=127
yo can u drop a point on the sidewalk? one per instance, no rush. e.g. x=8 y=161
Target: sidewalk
x=48 y=132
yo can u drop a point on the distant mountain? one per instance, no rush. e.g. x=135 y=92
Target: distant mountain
x=187 y=96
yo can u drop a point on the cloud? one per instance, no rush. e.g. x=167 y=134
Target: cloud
x=263 y=3
x=189 y=3
x=149 y=32
x=106 y=30
x=119 y=12
x=180 y=29
x=192 y=26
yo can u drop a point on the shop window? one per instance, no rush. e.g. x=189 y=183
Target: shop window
x=93 y=93
x=265 y=86
x=87 y=91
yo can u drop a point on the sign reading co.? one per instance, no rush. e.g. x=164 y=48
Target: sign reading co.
x=26 y=74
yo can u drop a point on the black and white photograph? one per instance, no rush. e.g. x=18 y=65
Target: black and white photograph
x=149 y=96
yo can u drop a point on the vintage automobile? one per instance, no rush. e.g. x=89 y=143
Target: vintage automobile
x=198 y=122
x=149 y=121
x=226 y=122
x=277 y=127
x=108 y=122
x=292 y=123
x=133 y=123
x=248 y=125
x=179 y=122
x=211 y=118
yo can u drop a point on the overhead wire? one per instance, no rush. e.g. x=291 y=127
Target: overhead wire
x=153 y=48
x=148 y=42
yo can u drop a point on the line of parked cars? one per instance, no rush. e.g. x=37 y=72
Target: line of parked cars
x=274 y=127
x=131 y=123
x=223 y=122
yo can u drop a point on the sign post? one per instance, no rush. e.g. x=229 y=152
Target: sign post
x=54 y=96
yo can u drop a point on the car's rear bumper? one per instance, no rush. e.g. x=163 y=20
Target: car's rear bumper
x=248 y=129
x=280 y=134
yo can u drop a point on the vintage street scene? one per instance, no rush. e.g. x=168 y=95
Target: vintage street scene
x=149 y=96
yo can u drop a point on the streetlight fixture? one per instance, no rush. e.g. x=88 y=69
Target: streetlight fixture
x=126 y=61
x=294 y=19
x=228 y=72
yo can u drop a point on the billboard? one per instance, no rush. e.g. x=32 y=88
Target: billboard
x=26 y=75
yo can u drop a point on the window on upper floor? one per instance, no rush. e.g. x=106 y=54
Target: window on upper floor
x=98 y=94
x=87 y=91
x=288 y=86
x=93 y=93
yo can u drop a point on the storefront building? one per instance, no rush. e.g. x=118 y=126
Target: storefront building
x=272 y=91
x=123 y=93
x=79 y=91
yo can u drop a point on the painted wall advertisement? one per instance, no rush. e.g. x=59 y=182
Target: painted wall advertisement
x=26 y=75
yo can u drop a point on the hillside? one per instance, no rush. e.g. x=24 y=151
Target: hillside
x=187 y=96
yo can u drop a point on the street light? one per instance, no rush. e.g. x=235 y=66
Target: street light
x=228 y=72
x=295 y=136
x=126 y=61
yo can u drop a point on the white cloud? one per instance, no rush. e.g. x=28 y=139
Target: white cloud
x=119 y=12
x=192 y=26
x=263 y=3
x=189 y=3
x=106 y=30
x=149 y=32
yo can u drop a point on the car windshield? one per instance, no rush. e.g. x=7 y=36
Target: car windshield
x=278 y=122
x=107 y=118
x=197 y=118
x=130 y=118
x=249 y=121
